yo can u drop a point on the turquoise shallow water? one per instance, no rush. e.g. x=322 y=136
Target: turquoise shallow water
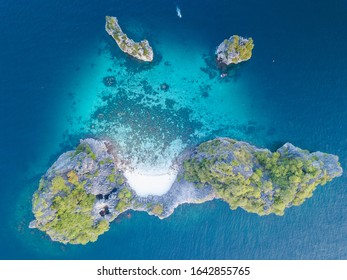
x=292 y=90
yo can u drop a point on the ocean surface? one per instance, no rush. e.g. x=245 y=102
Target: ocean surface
x=63 y=78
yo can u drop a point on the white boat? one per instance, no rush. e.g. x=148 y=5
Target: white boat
x=178 y=10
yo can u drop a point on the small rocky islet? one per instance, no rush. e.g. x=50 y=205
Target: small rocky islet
x=85 y=189
x=141 y=51
x=234 y=50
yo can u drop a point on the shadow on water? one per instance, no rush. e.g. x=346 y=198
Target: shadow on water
x=214 y=69
x=131 y=64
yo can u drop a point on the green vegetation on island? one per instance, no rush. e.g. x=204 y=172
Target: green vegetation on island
x=257 y=180
x=68 y=204
x=85 y=148
x=124 y=198
x=71 y=219
x=85 y=189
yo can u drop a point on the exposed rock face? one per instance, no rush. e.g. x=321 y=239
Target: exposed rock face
x=85 y=188
x=142 y=51
x=235 y=50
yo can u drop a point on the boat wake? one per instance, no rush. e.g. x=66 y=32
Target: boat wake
x=178 y=11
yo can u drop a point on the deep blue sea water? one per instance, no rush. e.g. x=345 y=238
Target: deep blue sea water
x=55 y=54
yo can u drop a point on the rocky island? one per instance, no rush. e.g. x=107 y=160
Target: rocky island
x=85 y=189
x=142 y=51
x=234 y=50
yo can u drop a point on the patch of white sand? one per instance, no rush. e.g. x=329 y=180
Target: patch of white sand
x=150 y=182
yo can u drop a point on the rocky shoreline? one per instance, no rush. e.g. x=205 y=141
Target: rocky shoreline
x=85 y=189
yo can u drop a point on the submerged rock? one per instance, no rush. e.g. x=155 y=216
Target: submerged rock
x=164 y=87
x=109 y=81
x=142 y=51
x=85 y=188
x=234 y=50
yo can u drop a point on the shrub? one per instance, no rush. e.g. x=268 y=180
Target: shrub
x=73 y=222
x=59 y=185
x=157 y=209
x=112 y=178
x=85 y=148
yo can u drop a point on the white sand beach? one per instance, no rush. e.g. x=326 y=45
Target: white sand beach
x=150 y=182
